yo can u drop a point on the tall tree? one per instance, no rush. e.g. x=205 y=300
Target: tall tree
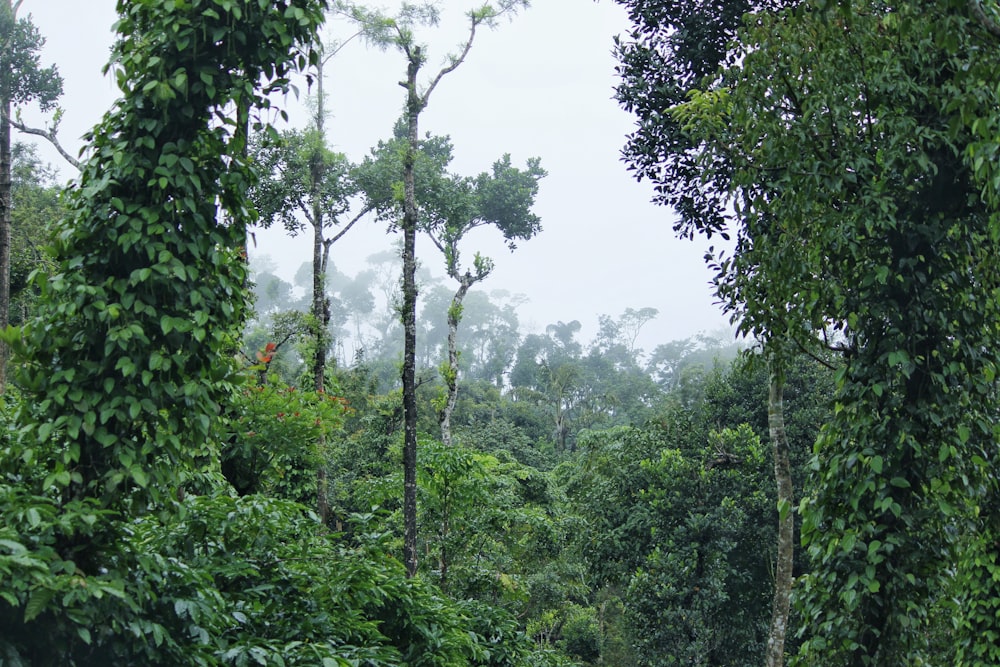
x=22 y=80
x=676 y=48
x=859 y=146
x=549 y=371
x=304 y=180
x=503 y=199
x=399 y=33
x=126 y=367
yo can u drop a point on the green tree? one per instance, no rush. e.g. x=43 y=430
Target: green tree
x=304 y=179
x=398 y=33
x=873 y=213
x=491 y=335
x=280 y=439
x=22 y=80
x=126 y=365
x=548 y=372
x=503 y=199
x=603 y=387
x=697 y=598
x=683 y=502
x=674 y=49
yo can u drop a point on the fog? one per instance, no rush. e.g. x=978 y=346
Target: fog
x=540 y=85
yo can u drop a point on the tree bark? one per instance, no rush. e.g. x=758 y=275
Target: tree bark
x=5 y=233
x=5 y=208
x=786 y=520
x=451 y=376
x=321 y=319
x=320 y=309
x=414 y=105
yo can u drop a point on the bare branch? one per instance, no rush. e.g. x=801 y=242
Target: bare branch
x=811 y=355
x=362 y=213
x=341 y=46
x=47 y=134
x=455 y=62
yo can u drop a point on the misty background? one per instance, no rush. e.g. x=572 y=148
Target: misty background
x=541 y=84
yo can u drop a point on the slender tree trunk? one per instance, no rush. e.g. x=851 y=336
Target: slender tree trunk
x=5 y=223
x=320 y=309
x=408 y=315
x=6 y=202
x=786 y=520
x=443 y=536
x=415 y=103
x=451 y=375
x=321 y=320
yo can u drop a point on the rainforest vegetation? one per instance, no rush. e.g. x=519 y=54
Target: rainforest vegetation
x=204 y=463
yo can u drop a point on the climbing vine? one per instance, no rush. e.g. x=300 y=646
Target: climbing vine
x=125 y=369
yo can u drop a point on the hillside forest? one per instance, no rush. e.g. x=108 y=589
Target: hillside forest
x=203 y=462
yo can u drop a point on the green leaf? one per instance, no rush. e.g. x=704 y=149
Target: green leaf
x=45 y=430
x=140 y=476
x=37 y=602
x=784 y=507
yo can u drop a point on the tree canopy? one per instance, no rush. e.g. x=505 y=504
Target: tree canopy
x=843 y=147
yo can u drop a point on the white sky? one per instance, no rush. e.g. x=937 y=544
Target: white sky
x=540 y=85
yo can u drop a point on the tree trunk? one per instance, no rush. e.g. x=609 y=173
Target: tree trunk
x=320 y=309
x=408 y=316
x=321 y=319
x=5 y=207
x=415 y=103
x=786 y=519
x=451 y=375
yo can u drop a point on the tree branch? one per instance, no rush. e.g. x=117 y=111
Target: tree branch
x=455 y=62
x=343 y=231
x=47 y=134
x=989 y=23
x=811 y=355
x=436 y=241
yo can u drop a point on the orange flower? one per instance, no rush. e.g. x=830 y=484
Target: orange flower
x=268 y=353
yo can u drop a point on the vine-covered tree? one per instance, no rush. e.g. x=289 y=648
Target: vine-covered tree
x=124 y=366
x=674 y=49
x=853 y=142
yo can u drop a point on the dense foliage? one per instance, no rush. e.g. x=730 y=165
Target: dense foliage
x=844 y=148
x=580 y=502
x=126 y=367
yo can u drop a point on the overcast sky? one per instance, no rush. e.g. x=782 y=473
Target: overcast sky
x=539 y=85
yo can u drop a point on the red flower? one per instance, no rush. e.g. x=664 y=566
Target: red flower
x=268 y=353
